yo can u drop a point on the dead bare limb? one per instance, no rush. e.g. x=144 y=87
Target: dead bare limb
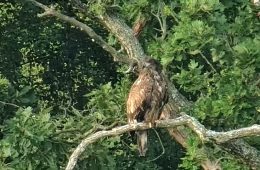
x=204 y=134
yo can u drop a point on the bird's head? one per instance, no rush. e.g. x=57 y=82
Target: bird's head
x=152 y=64
x=136 y=67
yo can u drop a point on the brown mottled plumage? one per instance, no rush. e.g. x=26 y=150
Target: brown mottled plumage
x=146 y=99
x=138 y=26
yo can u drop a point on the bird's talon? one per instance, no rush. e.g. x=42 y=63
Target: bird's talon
x=132 y=124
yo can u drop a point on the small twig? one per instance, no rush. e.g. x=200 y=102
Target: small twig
x=162 y=21
x=101 y=127
x=80 y=5
x=228 y=43
x=205 y=58
x=10 y=104
x=46 y=13
x=163 y=149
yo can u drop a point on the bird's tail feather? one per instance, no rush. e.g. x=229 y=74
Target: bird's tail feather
x=142 y=141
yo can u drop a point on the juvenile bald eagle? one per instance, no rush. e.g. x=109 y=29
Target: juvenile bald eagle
x=146 y=99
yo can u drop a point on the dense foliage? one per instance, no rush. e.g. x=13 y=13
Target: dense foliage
x=57 y=86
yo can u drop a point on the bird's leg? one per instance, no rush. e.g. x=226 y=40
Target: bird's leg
x=135 y=122
x=150 y=124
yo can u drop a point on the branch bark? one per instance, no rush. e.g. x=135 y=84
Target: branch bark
x=204 y=134
x=124 y=34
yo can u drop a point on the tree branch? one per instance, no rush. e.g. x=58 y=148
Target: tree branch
x=10 y=104
x=204 y=134
x=124 y=34
x=98 y=39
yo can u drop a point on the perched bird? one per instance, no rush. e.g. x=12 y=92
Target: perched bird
x=146 y=99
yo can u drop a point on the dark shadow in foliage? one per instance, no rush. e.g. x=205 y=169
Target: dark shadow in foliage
x=68 y=64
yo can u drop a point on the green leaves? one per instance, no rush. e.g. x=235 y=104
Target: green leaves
x=133 y=9
x=25 y=136
x=6 y=13
x=192 y=80
x=196 y=6
x=4 y=84
x=108 y=103
x=229 y=99
x=213 y=58
x=247 y=52
x=189 y=39
x=194 y=155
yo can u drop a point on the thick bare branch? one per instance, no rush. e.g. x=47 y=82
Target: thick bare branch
x=98 y=39
x=222 y=137
x=207 y=135
x=204 y=134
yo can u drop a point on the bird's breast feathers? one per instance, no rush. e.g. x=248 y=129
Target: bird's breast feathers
x=147 y=90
